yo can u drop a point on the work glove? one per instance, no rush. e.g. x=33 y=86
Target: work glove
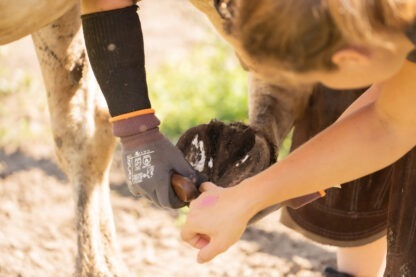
x=150 y=159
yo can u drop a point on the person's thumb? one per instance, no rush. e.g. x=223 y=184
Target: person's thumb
x=202 y=241
x=209 y=251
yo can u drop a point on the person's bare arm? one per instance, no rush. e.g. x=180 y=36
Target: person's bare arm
x=368 y=139
x=368 y=97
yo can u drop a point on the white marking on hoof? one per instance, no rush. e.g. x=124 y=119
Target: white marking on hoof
x=211 y=163
x=243 y=160
x=198 y=164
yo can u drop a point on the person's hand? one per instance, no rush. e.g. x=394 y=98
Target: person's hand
x=216 y=220
x=150 y=159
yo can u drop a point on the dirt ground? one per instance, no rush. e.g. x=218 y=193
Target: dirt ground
x=37 y=232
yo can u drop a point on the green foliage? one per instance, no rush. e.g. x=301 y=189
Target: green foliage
x=209 y=84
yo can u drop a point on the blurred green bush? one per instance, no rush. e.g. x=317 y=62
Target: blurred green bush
x=209 y=84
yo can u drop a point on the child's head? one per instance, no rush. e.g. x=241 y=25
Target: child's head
x=342 y=43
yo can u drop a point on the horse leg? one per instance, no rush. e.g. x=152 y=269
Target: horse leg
x=273 y=110
x=83 y=140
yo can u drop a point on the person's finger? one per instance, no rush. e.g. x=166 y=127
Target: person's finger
x=210 y=251
x=202 y=241
x=194 y=239
x=206 y=186
x=188 y=235
x=191 y=236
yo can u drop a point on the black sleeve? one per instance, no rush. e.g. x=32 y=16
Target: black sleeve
x=114 y=43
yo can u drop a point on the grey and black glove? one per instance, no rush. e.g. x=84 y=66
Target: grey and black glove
x=149 y=158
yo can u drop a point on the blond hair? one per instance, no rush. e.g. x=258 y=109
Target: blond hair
x=364 y=20
x=303 y=35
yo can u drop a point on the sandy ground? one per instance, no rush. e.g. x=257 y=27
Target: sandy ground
x=37 y=232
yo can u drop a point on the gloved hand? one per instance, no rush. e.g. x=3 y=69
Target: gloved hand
x=149 y=158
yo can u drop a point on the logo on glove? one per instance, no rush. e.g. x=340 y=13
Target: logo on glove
x=139 y=166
